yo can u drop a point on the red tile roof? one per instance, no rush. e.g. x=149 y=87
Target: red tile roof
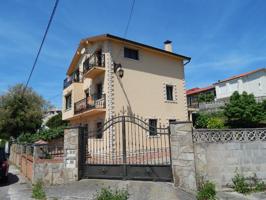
x=241 y=75
x=198 y=90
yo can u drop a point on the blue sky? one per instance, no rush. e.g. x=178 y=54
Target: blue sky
x=224 y=38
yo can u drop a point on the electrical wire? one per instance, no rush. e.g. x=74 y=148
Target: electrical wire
x=40 y=48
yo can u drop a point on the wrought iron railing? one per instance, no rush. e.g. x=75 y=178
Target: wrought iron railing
x=89 y=103
x=75 y=77
x=95 y=60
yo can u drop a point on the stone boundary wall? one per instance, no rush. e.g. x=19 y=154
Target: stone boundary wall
x=219 y=153
x=50 y=171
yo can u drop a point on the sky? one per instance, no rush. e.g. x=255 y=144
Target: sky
x=223 y=38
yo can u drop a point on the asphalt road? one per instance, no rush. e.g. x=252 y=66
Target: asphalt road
x=17 y=187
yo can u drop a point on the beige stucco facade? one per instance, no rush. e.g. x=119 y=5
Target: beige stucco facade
x=141 y=91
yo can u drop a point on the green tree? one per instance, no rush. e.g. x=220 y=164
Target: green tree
x=56 y=121
x=243 y=111
x=21 y=111
x=206 y=97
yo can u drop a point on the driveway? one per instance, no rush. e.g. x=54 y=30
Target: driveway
x=17 y=187
x=138 y=190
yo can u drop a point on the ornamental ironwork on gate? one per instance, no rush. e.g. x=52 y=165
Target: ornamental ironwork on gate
x=126 y=147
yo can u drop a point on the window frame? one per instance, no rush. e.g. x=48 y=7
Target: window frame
x=68 y=101
x=130 y=55
x=172 y=92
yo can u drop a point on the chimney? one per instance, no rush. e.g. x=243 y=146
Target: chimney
x=168 y=46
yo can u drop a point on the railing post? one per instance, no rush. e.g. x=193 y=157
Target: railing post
x=124 y=146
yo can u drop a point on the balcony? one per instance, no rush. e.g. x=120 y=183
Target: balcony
x=94 y=103
x=94 y=65
x=74 y=78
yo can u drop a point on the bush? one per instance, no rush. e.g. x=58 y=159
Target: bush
x=37 y=191
x=245 y=185
x=206 y=191
x=107 y=194
x=46 y=135
x=239 y=184
x=215 y=123
x=201 y=121
x=243 y=111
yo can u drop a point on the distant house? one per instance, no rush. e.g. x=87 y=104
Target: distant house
x=49 y=114
x=193 y=98
x=253 y=82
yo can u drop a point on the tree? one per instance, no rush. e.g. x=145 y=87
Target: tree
x=243 y=111
x=21 y=111
x=206 y=97
x=56 y=121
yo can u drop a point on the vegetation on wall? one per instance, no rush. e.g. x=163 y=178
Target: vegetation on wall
x=242 y=111
x=206 y=97
x=47 y=134
x=21 y=111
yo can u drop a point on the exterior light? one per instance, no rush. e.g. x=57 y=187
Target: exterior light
x=118 y=70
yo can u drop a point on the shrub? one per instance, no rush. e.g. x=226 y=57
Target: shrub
x=38 y=191
x=46 y=135
x=243 y=111
x=201 y=121
x=215 y=123
x=239 y=184
x=107 y=194
x=206 y=191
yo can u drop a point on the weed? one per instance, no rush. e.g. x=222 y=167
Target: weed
x=38 y=191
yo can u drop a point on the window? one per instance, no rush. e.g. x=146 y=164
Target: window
x=99 y=133
x=153 y=126
x=131 y=53
x=169 y=92
x=172 y=121
x=68 y=101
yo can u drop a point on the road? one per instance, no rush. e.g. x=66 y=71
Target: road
x=17 y=187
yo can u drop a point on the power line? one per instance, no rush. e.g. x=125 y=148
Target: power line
x=127 y=26
x=129 y=18
x=40 y=48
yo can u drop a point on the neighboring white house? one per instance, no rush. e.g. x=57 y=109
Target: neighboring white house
x=253 y=82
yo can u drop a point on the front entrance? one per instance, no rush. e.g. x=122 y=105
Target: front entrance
x=126 y=147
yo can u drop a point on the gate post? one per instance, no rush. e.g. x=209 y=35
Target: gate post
x=71 y=153
x=182 y=153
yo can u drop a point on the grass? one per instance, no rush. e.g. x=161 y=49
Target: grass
x=38 y=191
x=108 y=194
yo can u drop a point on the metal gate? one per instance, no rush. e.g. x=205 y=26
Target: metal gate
x=126 y=147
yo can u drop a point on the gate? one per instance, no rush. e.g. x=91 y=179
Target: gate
x=126 y=147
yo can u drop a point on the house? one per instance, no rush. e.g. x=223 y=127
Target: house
x=253 y=82
x=109 y=75
x=49 y=114
x=195 y=96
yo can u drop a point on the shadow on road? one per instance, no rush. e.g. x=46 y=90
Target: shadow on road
x=12 y=179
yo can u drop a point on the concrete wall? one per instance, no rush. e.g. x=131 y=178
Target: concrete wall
x=254 y=83
x=219 y=153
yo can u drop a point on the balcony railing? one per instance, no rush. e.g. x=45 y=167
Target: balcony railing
x=75 y=77
x=95 y=60
x=89 y=103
